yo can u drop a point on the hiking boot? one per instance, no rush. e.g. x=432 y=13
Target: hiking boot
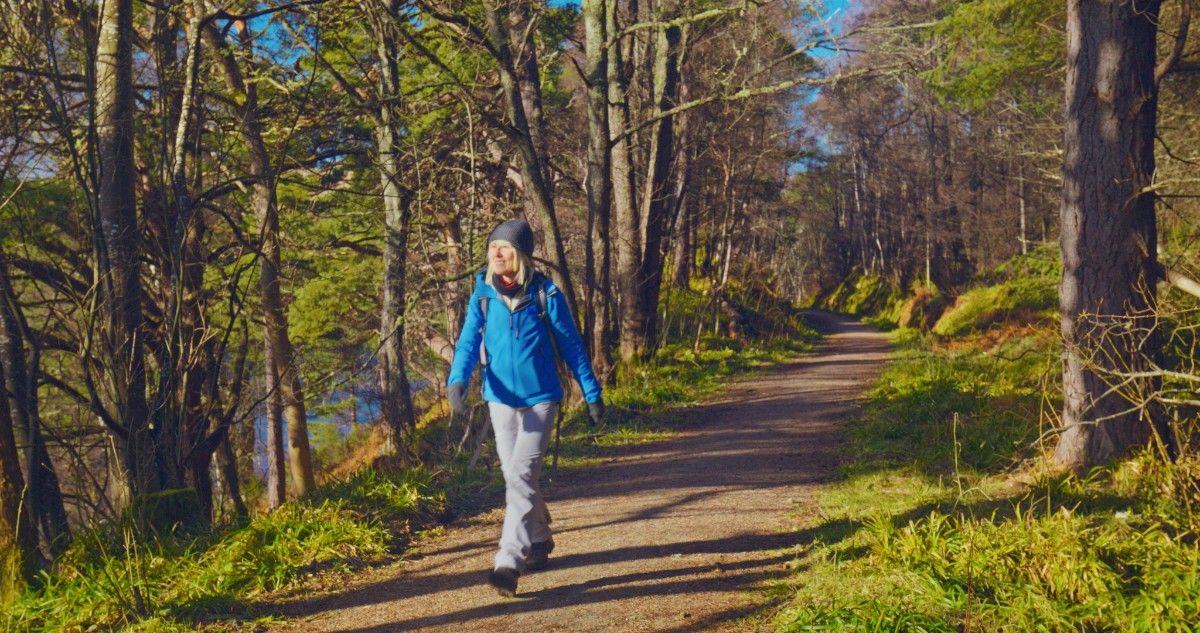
x=504 y=581
x=539 y=555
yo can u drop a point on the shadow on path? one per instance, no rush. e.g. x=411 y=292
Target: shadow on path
x=667 y=536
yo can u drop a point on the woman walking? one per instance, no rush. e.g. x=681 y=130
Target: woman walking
x=516 y=323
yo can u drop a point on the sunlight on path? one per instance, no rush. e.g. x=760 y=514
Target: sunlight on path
x=668 y=536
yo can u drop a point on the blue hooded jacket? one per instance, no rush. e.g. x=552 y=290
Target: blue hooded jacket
x=520 y=369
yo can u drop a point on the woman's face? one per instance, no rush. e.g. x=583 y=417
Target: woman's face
x=503 y=258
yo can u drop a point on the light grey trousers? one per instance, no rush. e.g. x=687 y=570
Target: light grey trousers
x=521 y=438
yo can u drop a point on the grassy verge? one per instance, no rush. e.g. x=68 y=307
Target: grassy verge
x=940 y=525
x=112 y=580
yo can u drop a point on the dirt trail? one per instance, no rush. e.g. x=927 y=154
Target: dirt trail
x=668 y=536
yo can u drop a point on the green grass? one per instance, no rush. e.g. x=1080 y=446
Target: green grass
x=981 y=307
x=967 y=408
x=109 y=580
x=939 y=525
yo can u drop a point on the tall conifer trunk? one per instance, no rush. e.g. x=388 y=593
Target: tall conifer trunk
x=1109 y=235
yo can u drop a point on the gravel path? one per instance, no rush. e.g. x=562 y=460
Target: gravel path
x=675 y=535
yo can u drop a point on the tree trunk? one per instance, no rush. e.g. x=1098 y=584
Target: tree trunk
x=529 y=79
x=180 y=425
x=1021 y=203
x=45 y=501
x=275 y=336
x=199 y=467
x=624 y=200
x=227 y=463
x=276 y=472
x=1109 y=238
x=658 y=201
x=685 y=251
x=599 y=187
x=117 y=248
x=396 y=404
x=18 y=541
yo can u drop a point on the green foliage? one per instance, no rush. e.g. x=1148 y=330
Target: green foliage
x=1023 y=288
x=108 y=580
x=32 y=211
x=394 y=496
x=999 y=49
x=1020 y=568
x=330 y=447
x=760 y=315
x=922 y=309
x=981 y=307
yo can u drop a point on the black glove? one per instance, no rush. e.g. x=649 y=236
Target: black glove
x=596 y=412
x=457 y=393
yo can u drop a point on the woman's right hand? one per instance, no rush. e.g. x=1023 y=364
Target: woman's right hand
x=457 y=393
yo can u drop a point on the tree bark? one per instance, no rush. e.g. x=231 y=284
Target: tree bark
x=276 y=472
x=18 y=540
x=685 y=252
x=275 y=337
x=658 y=197
x=1109 y=235
x=529 y=79
x=599 y=187
x=624 y=196
x=45 y=499
x=396 y=404
x=227 y=463
x=180 y=425
x=117 y=248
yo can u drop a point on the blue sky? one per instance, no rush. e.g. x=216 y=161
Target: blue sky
x=837 y=10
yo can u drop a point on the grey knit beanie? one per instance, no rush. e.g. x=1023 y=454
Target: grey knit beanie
x=515 y=232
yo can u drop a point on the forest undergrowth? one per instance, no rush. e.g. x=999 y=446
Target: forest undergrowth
x=115 y=578
x=947 y=518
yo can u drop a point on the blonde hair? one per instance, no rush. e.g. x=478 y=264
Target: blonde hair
x=523 y=263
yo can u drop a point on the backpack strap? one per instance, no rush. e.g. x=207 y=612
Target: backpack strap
x=483 y=306
x=545 y=317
